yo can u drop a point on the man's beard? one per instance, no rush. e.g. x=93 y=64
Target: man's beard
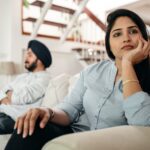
x=33 y=66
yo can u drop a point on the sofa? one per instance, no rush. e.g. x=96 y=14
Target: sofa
x=57 y=89
x=115 y=138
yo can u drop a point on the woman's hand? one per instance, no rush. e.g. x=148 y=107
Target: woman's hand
x=26 y=123
x=141 y=52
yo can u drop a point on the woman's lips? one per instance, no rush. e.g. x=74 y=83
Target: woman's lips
x=127 y=47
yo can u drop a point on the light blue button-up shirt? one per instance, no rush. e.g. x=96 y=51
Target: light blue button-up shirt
x=103 y=102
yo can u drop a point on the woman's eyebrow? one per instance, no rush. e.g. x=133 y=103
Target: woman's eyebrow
x=132 y=27
x=118 y=29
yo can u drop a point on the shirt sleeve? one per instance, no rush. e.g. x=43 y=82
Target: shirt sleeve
x=30 y=93
x=137 y=109
x=73 y=102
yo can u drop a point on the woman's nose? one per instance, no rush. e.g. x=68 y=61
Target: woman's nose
x=126 y=37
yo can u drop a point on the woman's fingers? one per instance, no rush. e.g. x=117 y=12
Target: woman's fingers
x=16 y=123
x=140 y=44
x=45 y=119
x=146 y=47
x=26 y=124
x=35 y=114
x=20 y=123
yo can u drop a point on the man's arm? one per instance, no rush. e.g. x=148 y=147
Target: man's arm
x=7 y=99
x=6 y=89
x=30 y=92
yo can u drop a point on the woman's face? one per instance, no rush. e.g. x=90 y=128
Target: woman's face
x=124 y=36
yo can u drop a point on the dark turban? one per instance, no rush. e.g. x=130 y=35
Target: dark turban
x=41 y=51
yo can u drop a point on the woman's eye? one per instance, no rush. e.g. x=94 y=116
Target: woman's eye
x=116 y=34
x=133 y=31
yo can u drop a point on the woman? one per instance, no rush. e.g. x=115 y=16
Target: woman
x=111 y=93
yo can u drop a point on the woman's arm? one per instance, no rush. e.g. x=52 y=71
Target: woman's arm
x=130 y=81
x=131 y=84
x=25 y=124
x=137 y=102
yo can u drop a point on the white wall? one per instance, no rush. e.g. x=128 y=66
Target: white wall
x=72 y=65
x=5 y=29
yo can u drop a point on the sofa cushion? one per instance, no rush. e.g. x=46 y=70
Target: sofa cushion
x=57 y=90
x=4 y=140
x=114 y=138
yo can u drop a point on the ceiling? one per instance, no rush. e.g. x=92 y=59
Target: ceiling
x=141 y=7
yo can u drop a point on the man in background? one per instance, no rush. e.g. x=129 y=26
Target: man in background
x=28 y=89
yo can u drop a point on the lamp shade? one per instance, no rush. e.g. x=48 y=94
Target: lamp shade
x=7 y=67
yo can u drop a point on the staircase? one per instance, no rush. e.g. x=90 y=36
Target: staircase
x=66 y=24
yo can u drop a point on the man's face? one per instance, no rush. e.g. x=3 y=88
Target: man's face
x=30 y=60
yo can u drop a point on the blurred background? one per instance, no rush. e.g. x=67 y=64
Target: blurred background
x=74 y=31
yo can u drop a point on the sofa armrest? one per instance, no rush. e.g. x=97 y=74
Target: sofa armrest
x=3 y=140
x=115 y=138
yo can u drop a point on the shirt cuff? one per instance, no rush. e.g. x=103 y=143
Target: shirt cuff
x=69 y=109
x=136 y=100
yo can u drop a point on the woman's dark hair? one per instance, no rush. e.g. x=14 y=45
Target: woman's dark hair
x=143 y=68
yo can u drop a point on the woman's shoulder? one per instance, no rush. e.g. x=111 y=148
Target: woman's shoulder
x=99 y=67
x=98 y=73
